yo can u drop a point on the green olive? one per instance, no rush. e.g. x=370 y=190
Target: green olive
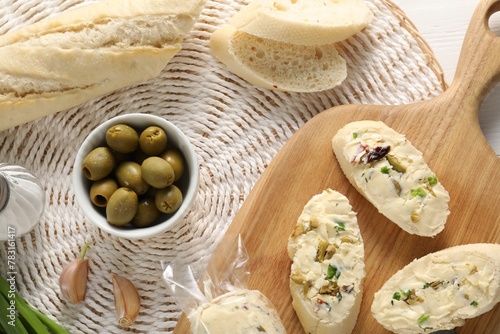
x=147 y=213
x=168 y=200
x=176 y=160
x=122 y=138
x=98 y=164
x=101 y=191
x=157 y=172
x=122 y=207
x=153 y=140
x=129 y=174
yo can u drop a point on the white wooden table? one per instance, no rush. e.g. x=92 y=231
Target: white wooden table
x=443 y=24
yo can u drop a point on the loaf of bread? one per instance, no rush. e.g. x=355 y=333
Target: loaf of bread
x=290 y=45
x=277 y=65
x=327 y=272
x=391 y=173
x=237 y=312
x=303 y=22
x=81 y=54
x=440 y=290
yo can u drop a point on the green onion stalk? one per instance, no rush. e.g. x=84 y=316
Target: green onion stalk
x=26 y=319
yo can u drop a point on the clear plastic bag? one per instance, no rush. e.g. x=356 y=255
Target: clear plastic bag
x=219 y=301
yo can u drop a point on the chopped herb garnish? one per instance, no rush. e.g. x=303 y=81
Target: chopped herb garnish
x=420 y=192
x=354 y=135
x=423 y=318
x=332 y=272
x=432 y=180
x=392 y=302
x=426 y=285
x=408 y=296
x=385 y=170
x=474 y=303
x=425 y=328
x=340 y=226
x=412 y=298
x=261 y=329
x=339 y=296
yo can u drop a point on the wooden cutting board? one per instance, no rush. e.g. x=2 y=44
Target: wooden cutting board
x=445 y=129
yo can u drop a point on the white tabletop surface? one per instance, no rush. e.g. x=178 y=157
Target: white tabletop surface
x=443 y=24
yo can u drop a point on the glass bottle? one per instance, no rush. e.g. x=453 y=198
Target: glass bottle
x=21 y=201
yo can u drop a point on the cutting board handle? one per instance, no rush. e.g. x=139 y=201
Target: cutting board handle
x=479 y=62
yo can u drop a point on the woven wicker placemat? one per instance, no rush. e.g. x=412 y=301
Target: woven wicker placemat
x=236 y=130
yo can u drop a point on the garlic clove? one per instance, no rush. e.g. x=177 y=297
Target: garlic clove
x=127 y=300
x=73 y=279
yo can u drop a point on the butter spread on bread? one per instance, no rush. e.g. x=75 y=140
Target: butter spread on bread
x=328 y=270
x=238 y=312
x=303 y=22
x=391 y=173
x=440 y=290
x=81 y=54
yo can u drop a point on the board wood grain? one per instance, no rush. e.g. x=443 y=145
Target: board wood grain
x=445 y=129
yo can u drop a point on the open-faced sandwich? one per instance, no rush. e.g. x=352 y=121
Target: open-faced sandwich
x=440 y=290
x=391 y=173
x=327 y=272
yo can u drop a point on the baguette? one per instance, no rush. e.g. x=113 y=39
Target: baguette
x=327 y=272
x=392 y=174
x=81 y=54
x=303 y=22
x=440 y=290
x=279 y=66
x=237 y=312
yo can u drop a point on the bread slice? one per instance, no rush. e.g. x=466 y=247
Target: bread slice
x=237 y=312
x=303 y=22
x=327 y=272
x=84 y=53
x=440 y=290
x=276 y=65
x=391 y=173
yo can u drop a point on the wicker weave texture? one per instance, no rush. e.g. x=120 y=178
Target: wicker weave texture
x=236 y=130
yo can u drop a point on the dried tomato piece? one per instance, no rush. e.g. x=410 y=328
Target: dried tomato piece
x=376 y=154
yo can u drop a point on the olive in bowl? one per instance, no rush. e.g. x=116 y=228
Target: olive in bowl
x=122 y=201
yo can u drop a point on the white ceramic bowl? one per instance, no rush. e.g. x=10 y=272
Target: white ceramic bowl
x=188 y=183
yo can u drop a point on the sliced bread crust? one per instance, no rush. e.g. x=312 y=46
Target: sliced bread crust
x=276 y=65
x=303 y=22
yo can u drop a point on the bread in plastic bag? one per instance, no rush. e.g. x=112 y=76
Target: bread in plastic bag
x=219 y=301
